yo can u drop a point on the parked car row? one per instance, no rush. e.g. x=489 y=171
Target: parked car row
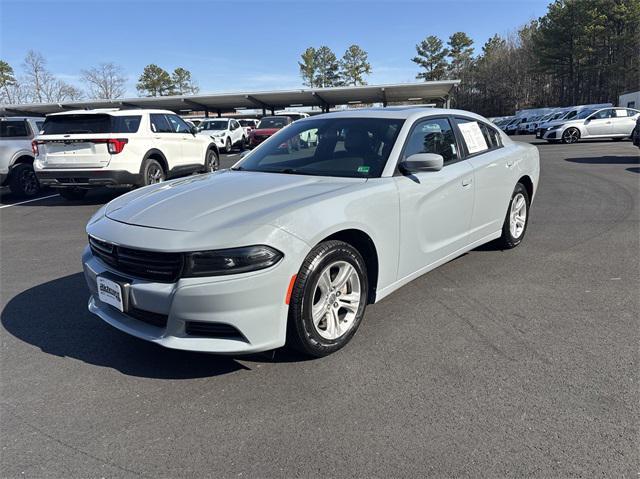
x=569 y=125
x=75 y=151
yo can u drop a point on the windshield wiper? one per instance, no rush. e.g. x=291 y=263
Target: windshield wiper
x=237 y=168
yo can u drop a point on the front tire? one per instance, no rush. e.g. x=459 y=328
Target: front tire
x=23 y=181
x=570 y=135
x=517 y=219
x=328 y=299
x=72 y=194
x=227 y=146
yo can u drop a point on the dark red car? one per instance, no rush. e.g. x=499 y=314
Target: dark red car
x=268 y=126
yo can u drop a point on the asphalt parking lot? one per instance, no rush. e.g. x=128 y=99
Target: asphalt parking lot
x=499 y=363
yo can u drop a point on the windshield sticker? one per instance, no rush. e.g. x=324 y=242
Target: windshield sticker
x=363 y=169
x=473 y=137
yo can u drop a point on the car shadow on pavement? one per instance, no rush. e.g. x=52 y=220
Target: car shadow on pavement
x=607 y=160
x=634 y=170
x=53 y=316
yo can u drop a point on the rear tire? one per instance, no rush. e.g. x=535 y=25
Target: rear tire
x=23 y=181
x=517 y=218
x=211 y=161
x=72 y=194
x=328 y=299
x=152 y=172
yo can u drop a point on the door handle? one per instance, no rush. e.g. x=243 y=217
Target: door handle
x=466 y=182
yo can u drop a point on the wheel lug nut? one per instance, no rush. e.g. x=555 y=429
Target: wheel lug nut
x=335 y=305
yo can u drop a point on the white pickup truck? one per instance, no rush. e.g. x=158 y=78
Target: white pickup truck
x=16 y=155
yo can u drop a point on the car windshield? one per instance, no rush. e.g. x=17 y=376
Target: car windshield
x=90 y=123
x=214 y=125
x=584 y=113
x=342 y=147
x=273 y=122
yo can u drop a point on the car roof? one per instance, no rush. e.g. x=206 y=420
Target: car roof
x=34 y=118
x=399 y=112
x=112 y=111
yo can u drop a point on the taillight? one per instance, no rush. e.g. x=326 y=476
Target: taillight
x=114 y=145
x=34 y=147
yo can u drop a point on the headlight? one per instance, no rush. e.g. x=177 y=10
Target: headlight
x=230 y=261
x=555 y=127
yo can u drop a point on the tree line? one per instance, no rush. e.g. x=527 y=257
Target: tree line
x=580 y=52
x=106 y=81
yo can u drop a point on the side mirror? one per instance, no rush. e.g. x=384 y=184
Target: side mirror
x=194 y=130
x=422 y=162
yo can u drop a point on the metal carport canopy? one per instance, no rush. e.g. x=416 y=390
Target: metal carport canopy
x=227 y=102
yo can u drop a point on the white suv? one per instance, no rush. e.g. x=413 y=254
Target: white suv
x=16 y=157
x=78 y=150
x=226 y=132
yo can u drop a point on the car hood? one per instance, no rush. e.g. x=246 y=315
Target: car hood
x=265 y=131
x=222 y=199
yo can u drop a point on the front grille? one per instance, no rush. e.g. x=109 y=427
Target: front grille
x=149 y=265
x=213 y=330
x=149 y=317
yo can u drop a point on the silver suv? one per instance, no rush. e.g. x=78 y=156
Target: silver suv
x=16 y=156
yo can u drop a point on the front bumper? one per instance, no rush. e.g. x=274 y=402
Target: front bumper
x=550 y=135
x=252 y=303
x=87 y=179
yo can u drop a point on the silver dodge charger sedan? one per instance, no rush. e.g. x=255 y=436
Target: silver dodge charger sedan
x=292 y=243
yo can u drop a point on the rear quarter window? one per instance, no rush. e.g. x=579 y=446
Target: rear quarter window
x=14 y=129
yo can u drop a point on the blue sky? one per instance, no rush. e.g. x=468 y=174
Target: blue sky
x=242 y=45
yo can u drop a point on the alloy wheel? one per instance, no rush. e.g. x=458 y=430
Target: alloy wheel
x=154 y=174
x=212 y=161
x=336 y=299
x=571 y=135
x=518 y=216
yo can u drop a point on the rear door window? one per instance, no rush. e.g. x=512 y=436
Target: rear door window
x=13 y=129
x=178 y=125
x=159 y=123
x=491 y=137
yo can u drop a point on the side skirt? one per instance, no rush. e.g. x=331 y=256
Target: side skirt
x=381 y=293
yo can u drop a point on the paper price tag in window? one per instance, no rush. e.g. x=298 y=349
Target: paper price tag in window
x=473 y=137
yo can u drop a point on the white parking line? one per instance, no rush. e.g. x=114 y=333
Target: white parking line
x=27 y=201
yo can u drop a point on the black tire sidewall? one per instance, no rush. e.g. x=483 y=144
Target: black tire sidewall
x=15 y=183
x=309 y=340
x=145 y=171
